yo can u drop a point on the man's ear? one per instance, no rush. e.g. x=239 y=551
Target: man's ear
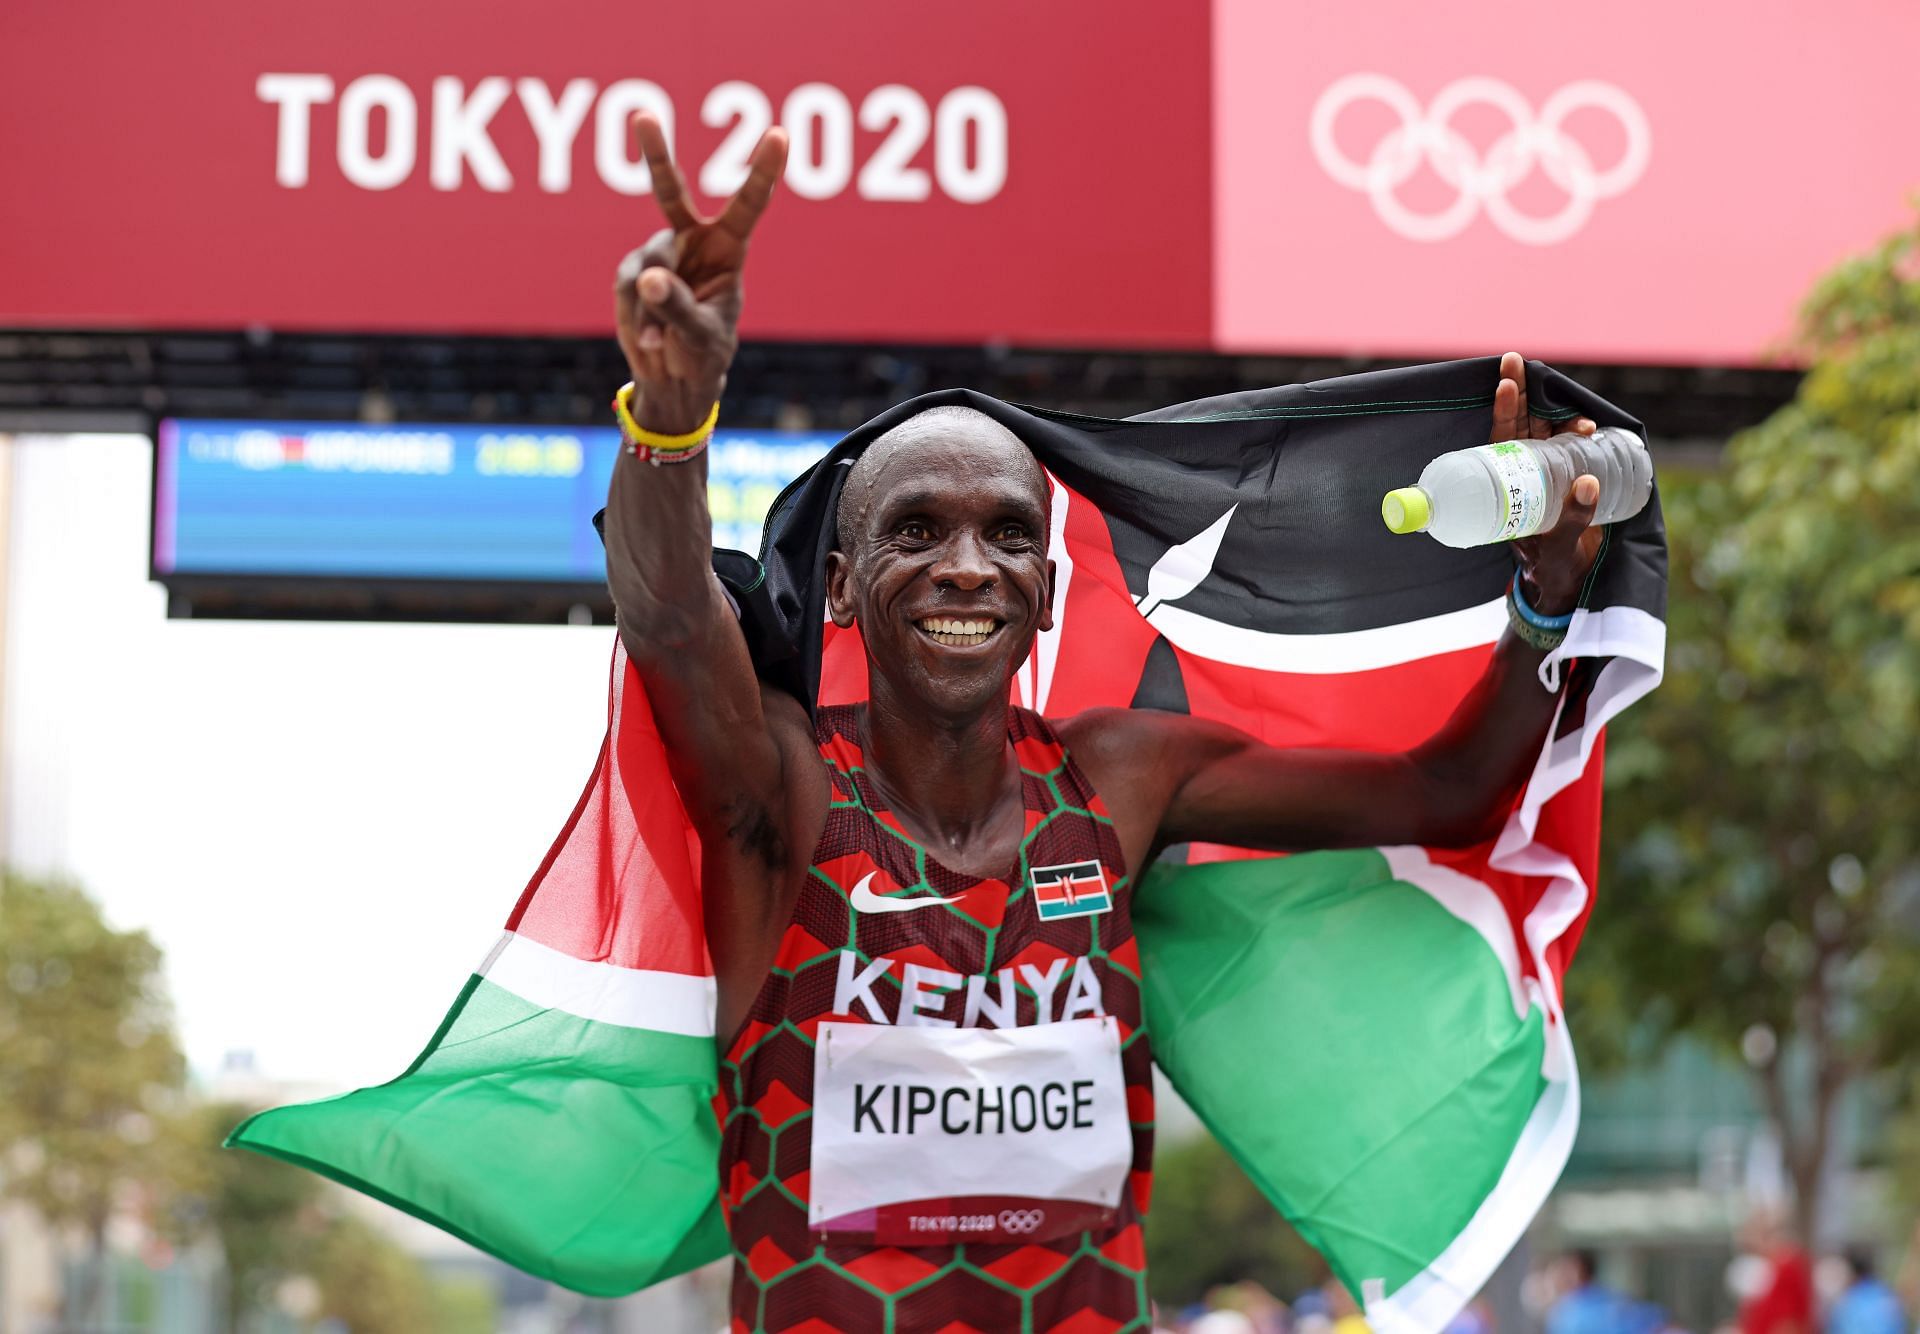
x=840 y=588
x=1046 y=609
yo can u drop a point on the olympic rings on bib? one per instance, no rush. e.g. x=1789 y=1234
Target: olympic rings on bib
x=1428 y=137
x=1019 y=1222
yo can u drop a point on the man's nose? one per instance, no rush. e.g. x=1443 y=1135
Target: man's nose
x=964 y=563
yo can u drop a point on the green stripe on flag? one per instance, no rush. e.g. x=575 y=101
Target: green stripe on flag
x=582 y=1152
x=1352 y=1043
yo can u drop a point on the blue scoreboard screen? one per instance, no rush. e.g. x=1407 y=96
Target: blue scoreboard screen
x=424 y=502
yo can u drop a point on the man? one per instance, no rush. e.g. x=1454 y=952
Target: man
x=1867 y=1305
x=1783 y=1301
x=1586 y=1307
x=968 y=1066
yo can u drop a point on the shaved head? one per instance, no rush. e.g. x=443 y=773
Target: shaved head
x=950 y=428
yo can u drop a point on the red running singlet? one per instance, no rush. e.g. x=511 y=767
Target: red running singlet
x=1052 y=944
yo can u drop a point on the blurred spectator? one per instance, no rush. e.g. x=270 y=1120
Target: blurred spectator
x=1783 y=1299
x=1584 y=1307
x=1474 y=1318
x=1867 y=1305
x=1581 y=1305
x=1267 y=1312
x=1263 y=1312
x=1310 y=1313
x=1344 y=1310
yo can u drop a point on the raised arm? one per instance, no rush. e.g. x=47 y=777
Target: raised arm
x=677 y=314
x=1216 y=783
x=739 y=753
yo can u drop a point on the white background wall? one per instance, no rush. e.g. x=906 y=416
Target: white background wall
x=324 y=825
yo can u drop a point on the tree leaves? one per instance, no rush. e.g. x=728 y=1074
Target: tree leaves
x=93 y=1112
x=87 y=1054
x=1210 y=1225
x=1763 y=807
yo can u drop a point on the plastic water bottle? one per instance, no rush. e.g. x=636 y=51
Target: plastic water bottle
x=1495 y=493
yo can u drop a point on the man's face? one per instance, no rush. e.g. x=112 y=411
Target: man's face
x=948 y=576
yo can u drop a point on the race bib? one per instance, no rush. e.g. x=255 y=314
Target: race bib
x=926 y=1136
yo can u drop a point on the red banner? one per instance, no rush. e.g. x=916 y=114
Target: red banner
x=1639 y=183
x=996 y=170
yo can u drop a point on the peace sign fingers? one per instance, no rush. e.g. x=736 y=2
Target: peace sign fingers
x=677 y=298
x=669 y=186
x=764 y=170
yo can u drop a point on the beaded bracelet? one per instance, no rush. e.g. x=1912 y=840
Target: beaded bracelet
x=1545 y=633
x=652 y=446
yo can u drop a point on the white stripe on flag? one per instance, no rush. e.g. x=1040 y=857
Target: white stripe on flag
x=1331 y=654
x=1634 y=644
x=1626 y=633
x=603 y=992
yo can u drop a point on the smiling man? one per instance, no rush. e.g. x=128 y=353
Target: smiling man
x=934 y=887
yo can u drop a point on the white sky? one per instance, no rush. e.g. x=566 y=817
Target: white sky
x=324 y=825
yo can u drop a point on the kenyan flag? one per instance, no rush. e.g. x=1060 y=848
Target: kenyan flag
x=1376 y=1035
x=561 y=1118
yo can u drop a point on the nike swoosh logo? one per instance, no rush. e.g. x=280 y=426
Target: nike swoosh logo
x=865 y=900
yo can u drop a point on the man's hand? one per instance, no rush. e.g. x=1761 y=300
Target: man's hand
x=676 y=300
x=1553 y=565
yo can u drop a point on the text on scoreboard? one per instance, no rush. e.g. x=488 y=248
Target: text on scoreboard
x=421 y=501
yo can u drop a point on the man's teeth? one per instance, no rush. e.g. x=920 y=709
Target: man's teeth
x=949 y=630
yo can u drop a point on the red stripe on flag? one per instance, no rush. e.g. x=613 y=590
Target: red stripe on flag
x=1570 y=824
x=1392 y=709
x=843 y=666
x=1386 y=709
x=621 y=885
x=1103 y=640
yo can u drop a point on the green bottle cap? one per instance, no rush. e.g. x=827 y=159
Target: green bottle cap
x=1407 y=510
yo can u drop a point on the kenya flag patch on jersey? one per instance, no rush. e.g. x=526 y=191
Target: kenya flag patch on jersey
x=1078 y=889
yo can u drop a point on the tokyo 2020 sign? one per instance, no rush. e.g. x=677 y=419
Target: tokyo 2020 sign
x=959 y=173
x=1650 y=184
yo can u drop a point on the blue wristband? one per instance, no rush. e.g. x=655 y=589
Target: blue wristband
x=1549 y=624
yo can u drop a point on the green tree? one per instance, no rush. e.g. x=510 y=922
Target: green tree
x=370 y=1285
x=93 y=1118
x=1762 y=885
x=1211 y=1225
x=277 y=1224
x=90 y=1073
x=465 y=1305
x=267 y=1216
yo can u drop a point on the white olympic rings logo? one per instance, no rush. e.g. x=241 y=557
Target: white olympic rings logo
x=1483 y=182
x=1020 y=1221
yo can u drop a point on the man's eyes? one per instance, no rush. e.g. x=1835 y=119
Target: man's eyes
x=918 y=530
